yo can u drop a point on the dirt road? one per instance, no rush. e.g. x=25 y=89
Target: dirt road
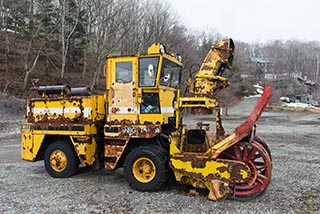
x=294 y=140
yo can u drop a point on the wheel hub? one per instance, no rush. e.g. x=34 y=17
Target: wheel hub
x=58 y=160
x=144 y=170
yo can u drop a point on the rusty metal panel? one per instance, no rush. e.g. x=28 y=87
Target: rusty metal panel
x=205 y=168
x=123 y=131
x=85 y=146
x=123 y=98
x=57 y=111
x=113 y=150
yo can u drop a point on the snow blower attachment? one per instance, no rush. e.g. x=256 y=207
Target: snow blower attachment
x=236 y=165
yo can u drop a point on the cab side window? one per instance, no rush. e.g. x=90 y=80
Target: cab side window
x=170 y=74
x=123 y=71
x=148 y=68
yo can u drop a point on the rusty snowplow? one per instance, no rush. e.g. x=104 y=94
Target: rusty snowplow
x=137 y=124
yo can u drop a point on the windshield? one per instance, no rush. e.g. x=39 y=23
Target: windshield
x=170 y=74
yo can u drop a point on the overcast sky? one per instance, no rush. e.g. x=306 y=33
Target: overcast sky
x=253 y=20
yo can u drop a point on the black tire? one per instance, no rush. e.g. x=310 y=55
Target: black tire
x=147 y=168
x=59 y=167
x=264 y=144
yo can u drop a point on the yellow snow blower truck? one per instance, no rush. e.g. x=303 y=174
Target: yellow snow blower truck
x=137 y=124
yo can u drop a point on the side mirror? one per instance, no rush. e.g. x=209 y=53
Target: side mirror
x=166 y=77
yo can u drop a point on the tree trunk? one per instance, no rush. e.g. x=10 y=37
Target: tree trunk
x=31 y=16
x=65 y=42
x=317 y=70
x=63 y=54
x=2 y=13
x=26 y=67
x=96 y=72
x=7 y=50
x=28 y=71
x=47 y=65
x=85 y=62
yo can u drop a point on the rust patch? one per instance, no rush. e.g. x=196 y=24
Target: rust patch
x=149 y=131
x=235 y=173
x=113 y=150
x=115 y=110
x=134 y=92
x=222 y=169
x=216 y=176
x=126 y=122
x=151 y=123
x=114 y=122
x=201 y=111
x=198 y=163
x=112 y=92
x=235 y=169
x=207 y=67
x=108 y=165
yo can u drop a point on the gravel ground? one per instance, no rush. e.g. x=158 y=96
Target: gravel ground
x=293 y=138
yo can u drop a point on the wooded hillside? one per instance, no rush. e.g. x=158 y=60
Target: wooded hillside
x=66 y=42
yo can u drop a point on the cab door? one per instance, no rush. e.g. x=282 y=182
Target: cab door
x=123 y=90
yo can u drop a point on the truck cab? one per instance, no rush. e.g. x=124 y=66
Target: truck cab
x=142 y=91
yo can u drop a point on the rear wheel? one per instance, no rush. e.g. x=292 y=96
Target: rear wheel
x=257 y=157
x=146 y=168
x=61 y=160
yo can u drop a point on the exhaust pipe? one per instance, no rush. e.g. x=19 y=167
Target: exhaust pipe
x=81 y=91
x=54 y=89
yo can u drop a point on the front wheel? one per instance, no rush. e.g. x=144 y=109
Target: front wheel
x=146 y=168
x=61 y=160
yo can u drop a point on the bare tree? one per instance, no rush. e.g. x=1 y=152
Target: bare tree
x=65 y=41
x=28 y=69
x=29 y=56
x=108 y=32
x=7 y=47
x=90 y=7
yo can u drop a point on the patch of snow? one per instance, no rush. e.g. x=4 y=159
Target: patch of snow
x=253 y=96
x=298 y=105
